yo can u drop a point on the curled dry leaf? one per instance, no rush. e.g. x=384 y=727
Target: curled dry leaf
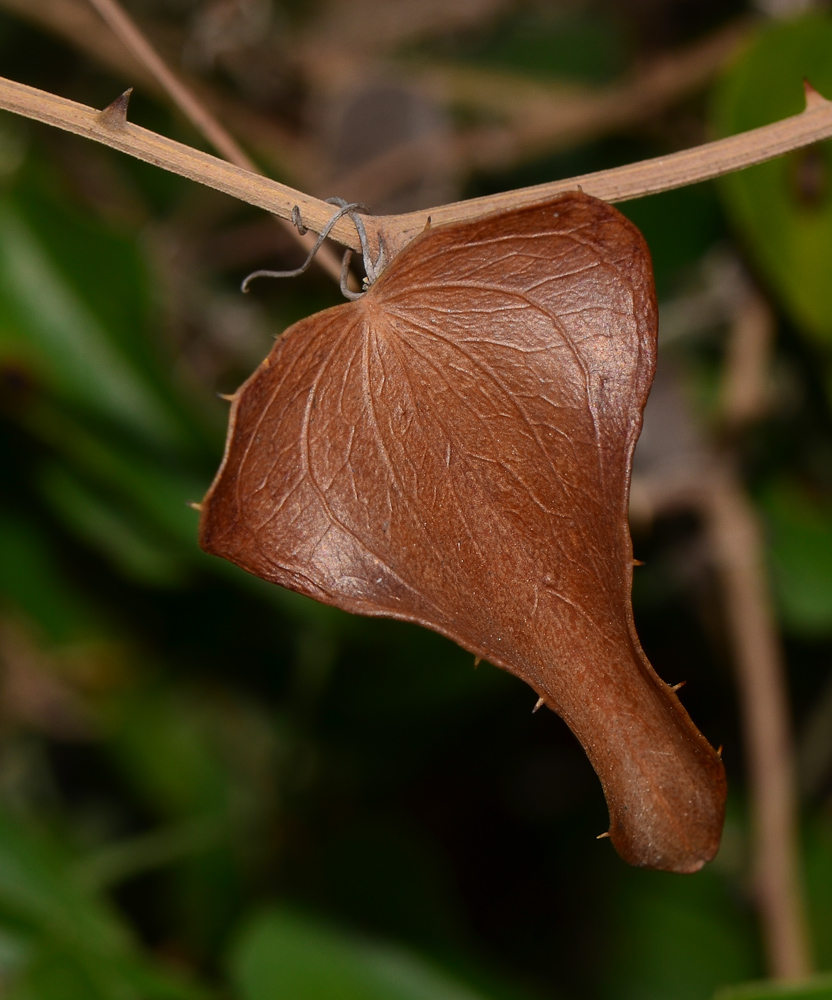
x=454 y=449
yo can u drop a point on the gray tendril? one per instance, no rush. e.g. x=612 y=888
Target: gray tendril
x=371 y=267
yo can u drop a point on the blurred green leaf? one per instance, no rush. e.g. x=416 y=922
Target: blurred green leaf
x=59 y=942
x=283 y=956
x=47 y=325
x=819 y=988
x=678 y=937
x=183 y=731
x=783 y=208
x=817 y=862
x=34 y=583
x=800 y=553
x=95 y=519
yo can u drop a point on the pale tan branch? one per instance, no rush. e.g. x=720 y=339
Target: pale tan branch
x=739 y=552
x=196 y=112
x=395 y=231
x=274 y=197
x=745 y=394
x=635 y=180
x=715 y=491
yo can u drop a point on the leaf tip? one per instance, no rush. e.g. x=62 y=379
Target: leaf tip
x=813 y=98
x=115 y=114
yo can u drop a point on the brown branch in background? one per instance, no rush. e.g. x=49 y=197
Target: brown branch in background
x=541 y=117
x=202 y=119
x=739 y=552
x=745 y=392
x=395 y=231
x=737 y=544
x=199 y=116
x=75 y=23
x=536 y=117
x=693 y=475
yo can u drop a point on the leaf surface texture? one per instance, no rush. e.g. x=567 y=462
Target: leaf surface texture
x=454 y=449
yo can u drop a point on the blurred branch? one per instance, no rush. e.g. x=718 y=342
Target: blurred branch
x=77 y=24
x=745 y=387
x=738 y=549
x=199 y=116
x=540 y=117
x=704 y=479
x=396 y=231
x=126 y=29
x=157 y=849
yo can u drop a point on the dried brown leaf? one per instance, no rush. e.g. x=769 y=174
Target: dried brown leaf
x=454 y=449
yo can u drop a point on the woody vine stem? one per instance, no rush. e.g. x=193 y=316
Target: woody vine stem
x=394 y=232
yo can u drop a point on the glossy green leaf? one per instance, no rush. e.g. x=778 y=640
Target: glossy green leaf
x=783 y=208
x=283 y=956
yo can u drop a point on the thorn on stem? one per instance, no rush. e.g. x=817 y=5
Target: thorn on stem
x=675 y=687
x=538 y=704
x=638 y=562
x=719 y=751
x=115 y=114
x=297 y=223
x=477 y=661
x=228 y=397
x=601 y=836
x=194 y=505
x=813 y=98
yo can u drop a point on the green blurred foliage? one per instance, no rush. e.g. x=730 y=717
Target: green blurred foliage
x=61 y=942
x=783 y=208
x=818 y=988
x=800 y=545
x=281 y=955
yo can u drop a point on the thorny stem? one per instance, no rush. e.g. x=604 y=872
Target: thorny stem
x=199 y=116
x=394 y=232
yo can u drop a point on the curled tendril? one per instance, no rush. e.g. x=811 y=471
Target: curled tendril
x=372 y=267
